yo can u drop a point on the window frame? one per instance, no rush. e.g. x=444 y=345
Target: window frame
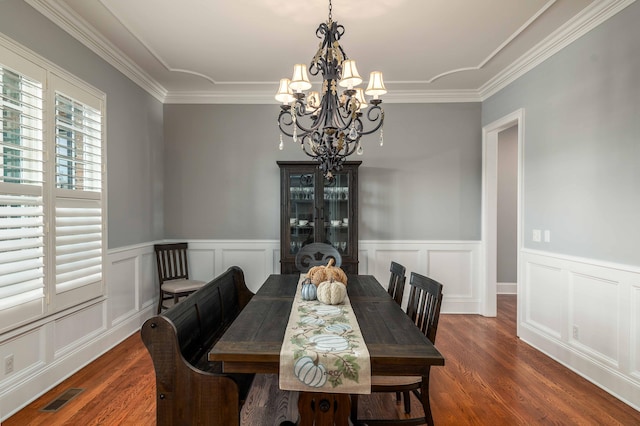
x=56 y=81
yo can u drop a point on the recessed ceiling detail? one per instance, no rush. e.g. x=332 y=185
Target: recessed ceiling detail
x=218 y=51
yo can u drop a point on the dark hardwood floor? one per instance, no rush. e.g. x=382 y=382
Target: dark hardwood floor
x=490 y=378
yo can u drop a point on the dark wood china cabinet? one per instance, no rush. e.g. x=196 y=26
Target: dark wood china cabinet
x=314 y=209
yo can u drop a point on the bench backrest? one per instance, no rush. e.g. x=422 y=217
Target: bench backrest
x=178 y=341
x=201 y=318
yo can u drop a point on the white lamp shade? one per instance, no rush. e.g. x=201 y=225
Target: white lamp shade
x=284 y=93
x=300 y=80
x=350 y=76
x=361 y=99
x=376 y=85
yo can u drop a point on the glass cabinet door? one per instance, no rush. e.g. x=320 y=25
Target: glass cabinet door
x=316 y=210
x=302 y=211
x=336 y=212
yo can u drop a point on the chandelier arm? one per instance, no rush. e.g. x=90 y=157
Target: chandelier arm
x=379 y=119
x=285 y=123
x=315 y=122
x=282 y=122
x=342 y=118
x=352 y=146
x=304 y=146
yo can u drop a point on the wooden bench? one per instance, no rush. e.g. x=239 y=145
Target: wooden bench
x=190 y=390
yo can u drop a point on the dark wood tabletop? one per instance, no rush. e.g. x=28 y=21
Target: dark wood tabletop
x=396 y=346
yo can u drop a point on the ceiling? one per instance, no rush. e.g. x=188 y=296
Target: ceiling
x=215 y=51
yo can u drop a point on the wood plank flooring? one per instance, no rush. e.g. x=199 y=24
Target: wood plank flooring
x=490 y=378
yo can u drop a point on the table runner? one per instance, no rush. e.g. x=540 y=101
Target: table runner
x=323 y=349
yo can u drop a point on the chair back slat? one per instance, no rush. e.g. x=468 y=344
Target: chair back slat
x=317 y=254
x=396 y=282
x=425 y=300
x=172 y=261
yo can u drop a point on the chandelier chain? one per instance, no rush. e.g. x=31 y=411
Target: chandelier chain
x=330 y=14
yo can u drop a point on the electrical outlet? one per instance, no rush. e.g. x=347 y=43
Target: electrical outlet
x=8 y=364
x=575 y=332
x=536 y=235
x=547 y=236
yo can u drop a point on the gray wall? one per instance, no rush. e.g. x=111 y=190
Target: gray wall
x=581 y=143
x=134 y=125
x=507 y=238
x=222 y=181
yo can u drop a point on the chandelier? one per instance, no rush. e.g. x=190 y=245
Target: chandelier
x=329 y=125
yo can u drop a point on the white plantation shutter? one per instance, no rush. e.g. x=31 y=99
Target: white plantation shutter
x=78 y=146
x=21 y=129
x=21 y=198
x=21 y=250
x=78 y=201
x=78 y=243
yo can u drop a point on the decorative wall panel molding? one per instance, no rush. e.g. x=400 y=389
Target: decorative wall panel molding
x=454 y=263
x=67 y=341
x=586 y=315
x=554 y=295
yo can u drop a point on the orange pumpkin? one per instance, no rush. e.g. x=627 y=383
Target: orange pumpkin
x=328 y=272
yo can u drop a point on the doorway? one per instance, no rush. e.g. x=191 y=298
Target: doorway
x=491 y=136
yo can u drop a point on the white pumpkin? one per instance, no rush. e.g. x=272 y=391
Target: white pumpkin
x=331 y=292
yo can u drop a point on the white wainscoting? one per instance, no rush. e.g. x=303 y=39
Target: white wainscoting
x=51 y=349
x=586 y=315
x=257 y=258
x=454 y=263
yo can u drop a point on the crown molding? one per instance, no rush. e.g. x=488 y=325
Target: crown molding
x=592 y=16
x=396 y=96
x=85 y=34
x=595 y=14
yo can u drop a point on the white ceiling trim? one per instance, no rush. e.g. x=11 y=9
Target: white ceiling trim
x=595 y=14
x=499 y=48
x=152 y=52
x=77 y=27
x=397 y=97
x=590 y=18
x=162 y=61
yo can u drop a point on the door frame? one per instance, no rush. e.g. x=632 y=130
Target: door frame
x=488 y=296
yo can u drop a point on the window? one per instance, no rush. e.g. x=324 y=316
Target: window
x=51 y=205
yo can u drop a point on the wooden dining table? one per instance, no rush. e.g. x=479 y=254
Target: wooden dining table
x=396 y=346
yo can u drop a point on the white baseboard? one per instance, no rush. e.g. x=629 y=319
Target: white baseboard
x=16 y=394
x=507 y=288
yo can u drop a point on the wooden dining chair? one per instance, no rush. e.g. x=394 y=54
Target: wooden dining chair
x=423 y=307
x=173 y=273
x=396 y=282
x=316 y=254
